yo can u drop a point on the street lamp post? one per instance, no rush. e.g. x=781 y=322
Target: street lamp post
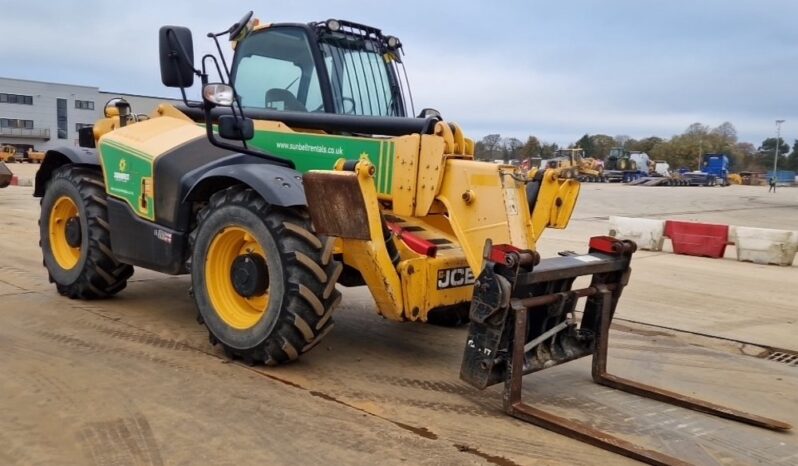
x=778 y=139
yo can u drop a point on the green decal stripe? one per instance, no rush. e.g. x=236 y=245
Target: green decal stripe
x=381 y=172
x=389 y=171
x=320 y=151
x=315 y=151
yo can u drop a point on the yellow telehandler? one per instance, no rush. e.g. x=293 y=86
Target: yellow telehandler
x=304 y=167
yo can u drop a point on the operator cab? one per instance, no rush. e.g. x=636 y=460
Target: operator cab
x=335 y=66
x=333 y=76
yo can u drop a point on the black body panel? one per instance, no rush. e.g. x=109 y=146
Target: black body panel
x=171 y=167
x=196 y=169
x=333 y=123
x=276 y=184
x=145 y=244
x=54 y=158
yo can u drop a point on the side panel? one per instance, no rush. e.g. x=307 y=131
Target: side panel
x=173 y=168
x=129 y=158
x=151 y=165
x=145 y=244
x=320 y=151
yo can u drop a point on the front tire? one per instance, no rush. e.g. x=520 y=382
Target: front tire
x=263 y=282
x=75 y=237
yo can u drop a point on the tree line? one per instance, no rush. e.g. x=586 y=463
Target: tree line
x=681 y=150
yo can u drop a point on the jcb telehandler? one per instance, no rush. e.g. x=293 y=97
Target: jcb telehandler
x=301 y=169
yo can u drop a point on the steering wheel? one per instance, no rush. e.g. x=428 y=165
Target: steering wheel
x=343 y=106
x=236 y=29
x=343 y=99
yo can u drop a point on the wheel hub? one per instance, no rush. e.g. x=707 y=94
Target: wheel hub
x=73 y=233
x=250 y=275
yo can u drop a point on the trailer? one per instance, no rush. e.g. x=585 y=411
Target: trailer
x=699 y=178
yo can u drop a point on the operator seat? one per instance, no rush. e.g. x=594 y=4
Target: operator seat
x=290 y=102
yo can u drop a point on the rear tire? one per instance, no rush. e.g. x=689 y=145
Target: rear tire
x=288 y=307
x=88 y=270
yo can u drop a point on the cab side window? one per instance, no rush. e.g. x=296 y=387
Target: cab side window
x=274 y=69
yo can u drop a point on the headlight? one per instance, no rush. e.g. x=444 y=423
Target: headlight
x=218 y=94
x=333 y=25
x=393 y=42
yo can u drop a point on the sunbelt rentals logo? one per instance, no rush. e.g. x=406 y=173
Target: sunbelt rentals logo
x=120 y=175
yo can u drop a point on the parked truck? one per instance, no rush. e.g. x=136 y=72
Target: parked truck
x=717 y=165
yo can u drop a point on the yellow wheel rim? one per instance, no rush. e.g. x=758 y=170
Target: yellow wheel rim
x=235 y=310
x=65 y=255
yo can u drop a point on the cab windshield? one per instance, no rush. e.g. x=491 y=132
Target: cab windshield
x=274 y=69
x=362 y=79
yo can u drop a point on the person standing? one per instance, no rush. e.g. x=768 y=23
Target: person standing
x=772 y=183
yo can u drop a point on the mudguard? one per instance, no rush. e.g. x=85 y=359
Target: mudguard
x=54 y=158
x=277 y=185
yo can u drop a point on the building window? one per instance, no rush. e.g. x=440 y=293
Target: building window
x=61 y=116
x=84 y=104
x=80 y=126
x=15 y=123
x=16 y=99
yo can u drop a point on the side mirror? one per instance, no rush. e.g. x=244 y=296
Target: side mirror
x=429 y=113
x=239 y=129
x=176 y=50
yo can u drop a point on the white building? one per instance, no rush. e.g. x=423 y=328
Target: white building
x=42 y=115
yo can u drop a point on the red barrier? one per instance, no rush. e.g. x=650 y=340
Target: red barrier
x=697 y=239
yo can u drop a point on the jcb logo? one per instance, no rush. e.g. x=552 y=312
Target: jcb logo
x=458 y=276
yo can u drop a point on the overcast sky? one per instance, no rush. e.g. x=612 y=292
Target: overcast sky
x=553 y=69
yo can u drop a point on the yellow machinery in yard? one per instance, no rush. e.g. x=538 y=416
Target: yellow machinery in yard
x=303 y=168
x=572 y=163
x=8 y=154
x=34 y=156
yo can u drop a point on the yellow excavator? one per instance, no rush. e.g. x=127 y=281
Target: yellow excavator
x=305 y=165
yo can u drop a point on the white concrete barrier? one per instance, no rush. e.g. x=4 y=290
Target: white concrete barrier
x=646 y=232
x=765 y=246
